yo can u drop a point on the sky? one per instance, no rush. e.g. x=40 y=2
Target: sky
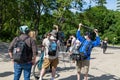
x=111 y=4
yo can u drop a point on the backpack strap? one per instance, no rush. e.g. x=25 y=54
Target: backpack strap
x=23 y=39
x=87 y=47
x=18 y=38
x=81 y=44
x=26 y=38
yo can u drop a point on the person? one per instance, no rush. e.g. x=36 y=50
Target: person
x=32 y=34
x=41 y=59
x=73 y=39
x=68 y=43
x=54 y=31
x=49 y=59
x=86 y=47
x=60 y=35
x=31 y=54
x=75 y=45
x=74 y=49
x=104 y=45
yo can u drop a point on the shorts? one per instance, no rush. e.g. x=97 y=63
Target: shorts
x=83 y=66
x=47 y=62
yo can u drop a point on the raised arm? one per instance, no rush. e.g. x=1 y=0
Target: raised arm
x=78 y=35
x=97 y=40
x=56 y=26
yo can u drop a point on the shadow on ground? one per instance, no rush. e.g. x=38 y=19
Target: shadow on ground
x=104 y=77
x=65 y=68
x=108 y=53
x=72 y=77
x=91 y=77
x=114 y=47
x=5 y=74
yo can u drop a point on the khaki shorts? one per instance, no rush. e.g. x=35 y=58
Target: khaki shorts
x=47 y=62
x=83 y=66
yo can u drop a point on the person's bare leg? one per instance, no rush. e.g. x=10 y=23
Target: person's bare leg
x=53 y=73
x=78 y=75
x=42 y=73
x=86 y=77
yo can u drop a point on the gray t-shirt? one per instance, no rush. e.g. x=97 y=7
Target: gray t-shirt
x=54 y=33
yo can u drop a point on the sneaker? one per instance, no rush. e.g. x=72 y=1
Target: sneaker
x=52 y=79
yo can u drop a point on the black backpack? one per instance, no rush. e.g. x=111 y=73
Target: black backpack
x=104 y=44
x=60 y=36
x=21 y=51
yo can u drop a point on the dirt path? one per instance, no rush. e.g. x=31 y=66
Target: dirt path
x=103 y=66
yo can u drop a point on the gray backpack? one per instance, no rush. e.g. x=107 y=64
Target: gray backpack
x=21 y=51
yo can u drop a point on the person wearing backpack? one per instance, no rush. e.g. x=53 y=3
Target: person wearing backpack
x=50 y=56
x=104 y=45
x=60 y=35
x=22 y=52
x=74 y=49
x=83 y=62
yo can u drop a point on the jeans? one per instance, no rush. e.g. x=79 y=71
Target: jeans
x=18 y=68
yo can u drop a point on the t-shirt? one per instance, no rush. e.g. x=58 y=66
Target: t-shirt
x=54 y=33
x=46 y=43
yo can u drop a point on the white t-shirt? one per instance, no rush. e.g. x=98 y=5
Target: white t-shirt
x=46 y=43
x=73 y=41
x=75 y=45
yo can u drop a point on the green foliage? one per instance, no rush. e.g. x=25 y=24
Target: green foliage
x=40 y=15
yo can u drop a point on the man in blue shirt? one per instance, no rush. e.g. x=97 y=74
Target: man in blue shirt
x=86 y=47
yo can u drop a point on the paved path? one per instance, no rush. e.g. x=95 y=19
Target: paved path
x=103 y=66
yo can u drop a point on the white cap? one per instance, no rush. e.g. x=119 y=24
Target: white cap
x=52 y=38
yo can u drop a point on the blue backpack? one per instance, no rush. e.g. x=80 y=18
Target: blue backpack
x=52 y=49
